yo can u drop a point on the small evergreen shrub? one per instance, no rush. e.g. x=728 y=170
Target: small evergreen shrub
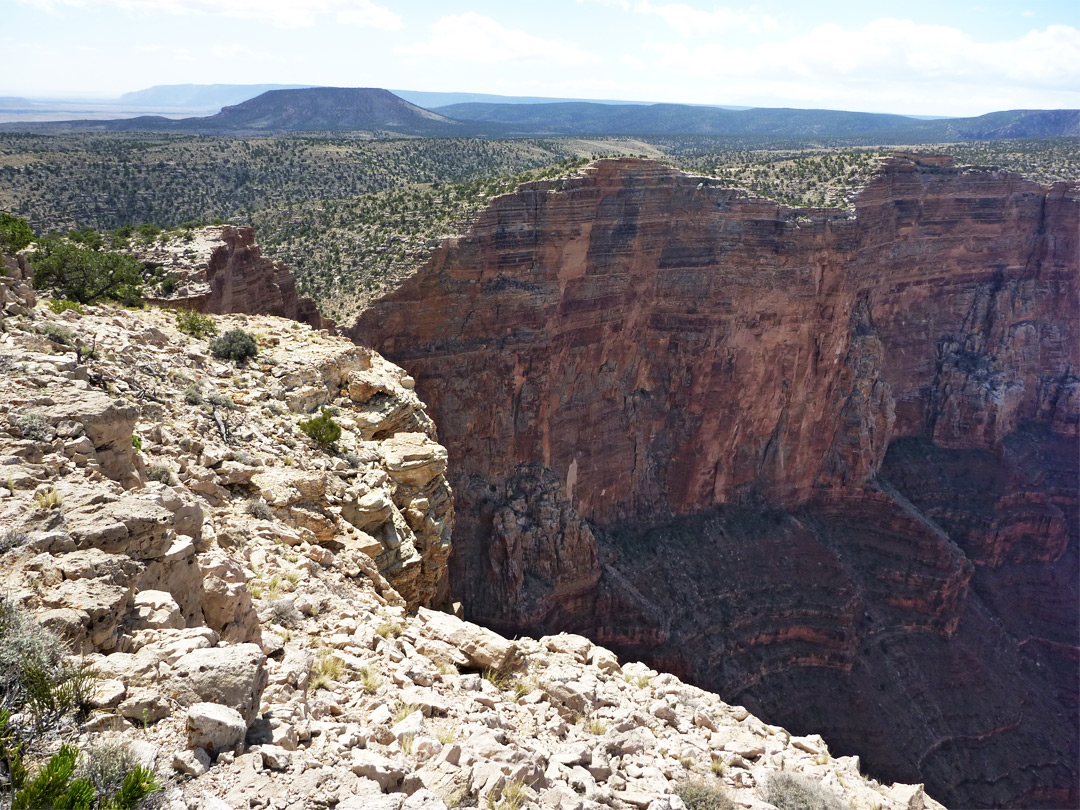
x=34 y=677
x=15 y=233
x=322 y=428
x=698 y=795
x=57 y=786
x=193 y=394
x=86 y=275
x=236 y=345
x=160 y=473
x=34 y=426
x=57 y=333
x=283 y=612
x=219 y=400
x=789 y=791
x=58 y=305
x=195 y=323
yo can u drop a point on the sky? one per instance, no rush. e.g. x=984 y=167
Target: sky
x=917 y=57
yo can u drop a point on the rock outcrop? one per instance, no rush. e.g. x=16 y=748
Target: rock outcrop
x=220 y=269
x=258 y=609
x=731 y=437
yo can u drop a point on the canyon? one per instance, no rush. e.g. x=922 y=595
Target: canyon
x=823 y=462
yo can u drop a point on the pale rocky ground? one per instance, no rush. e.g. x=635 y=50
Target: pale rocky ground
x=255 y=606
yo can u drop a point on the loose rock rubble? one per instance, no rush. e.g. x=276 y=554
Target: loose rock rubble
x=263 y=614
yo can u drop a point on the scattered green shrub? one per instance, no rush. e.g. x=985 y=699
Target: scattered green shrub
x=236 y=345
x=195 y=323
x=322 y=428
x=57 y=786
x=219 y=400
x=167 y=286
x=193 y=394
x=34 y=426
x=284 y=612
x=57 y=333
x=34 y=678
x=698 y=795
x=58 y=305
x=260 y=509
x=106 y=765
x=161 y=474
x=13 y=538
x=789 y=791
x=85 y=275
x=136 y=442
x=15 y=233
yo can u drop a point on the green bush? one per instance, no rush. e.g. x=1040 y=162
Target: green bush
x=57 y=786
x=86 y=275
x=35 y=426
x=15 y=233
x=698 y=795
x=57 y=333
x=58 y=305
x=160 y=473
x=34 y=678
x=236 y=345
x=789 y=791
x=322 y=428
x=195 y=323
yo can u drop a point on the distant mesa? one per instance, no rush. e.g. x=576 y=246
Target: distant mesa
x=381 y=113
x=316 y=109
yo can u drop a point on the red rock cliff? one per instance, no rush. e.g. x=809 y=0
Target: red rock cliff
x=668 y=406
x=221 y=269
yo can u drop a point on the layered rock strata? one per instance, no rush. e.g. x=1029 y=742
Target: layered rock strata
x=220 y=269
x=614 y=357
x=252 y=604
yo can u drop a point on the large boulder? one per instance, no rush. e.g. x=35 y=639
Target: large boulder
x=482 y=647
x=233 y=676
x=214 y=727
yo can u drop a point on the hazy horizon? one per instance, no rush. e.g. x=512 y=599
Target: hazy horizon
x=926 y=58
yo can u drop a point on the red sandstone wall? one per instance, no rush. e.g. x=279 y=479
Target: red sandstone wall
x=605 y=354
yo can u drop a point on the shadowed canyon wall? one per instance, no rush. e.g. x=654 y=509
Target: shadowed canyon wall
x=824 y=463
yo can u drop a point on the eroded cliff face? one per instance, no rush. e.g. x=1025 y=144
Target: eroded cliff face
x=220 y=269
x=822 y=462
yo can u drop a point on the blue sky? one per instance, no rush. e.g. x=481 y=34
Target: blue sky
x=937 y=57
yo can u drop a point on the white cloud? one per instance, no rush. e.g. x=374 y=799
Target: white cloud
x=889 y=50
x=282 y=13
x=474 y=38
x=689 y=21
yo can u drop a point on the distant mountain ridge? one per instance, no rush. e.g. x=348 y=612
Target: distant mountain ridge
x=316 y=109
x=381 y=113
x=587 y=118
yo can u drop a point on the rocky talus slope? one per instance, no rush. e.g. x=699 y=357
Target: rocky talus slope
x=823 y=462
x=258 y=610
